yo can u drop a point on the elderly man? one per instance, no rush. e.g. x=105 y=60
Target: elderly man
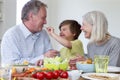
x=27 y=42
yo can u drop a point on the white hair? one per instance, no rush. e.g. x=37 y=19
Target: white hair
x=99 y=25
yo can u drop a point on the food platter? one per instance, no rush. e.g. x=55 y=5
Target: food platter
x=35 y=73
x=101 y=76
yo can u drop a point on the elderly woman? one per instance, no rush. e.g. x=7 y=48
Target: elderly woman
x=95 y=27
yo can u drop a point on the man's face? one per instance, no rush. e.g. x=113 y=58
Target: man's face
x=39 y=20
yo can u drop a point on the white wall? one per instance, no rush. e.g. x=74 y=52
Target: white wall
x=74 y=9
x=20 y=4
x=9 y=15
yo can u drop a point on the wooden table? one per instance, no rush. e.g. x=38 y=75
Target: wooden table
x=82 y=78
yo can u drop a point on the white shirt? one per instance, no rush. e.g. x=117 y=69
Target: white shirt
x=19 y=45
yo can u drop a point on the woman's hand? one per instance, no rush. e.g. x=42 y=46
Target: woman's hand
x=72 y=62
x=80 y=58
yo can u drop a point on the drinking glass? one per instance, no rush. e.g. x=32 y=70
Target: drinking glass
x=101 y=63
x=4 y=73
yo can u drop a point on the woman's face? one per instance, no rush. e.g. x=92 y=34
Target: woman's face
x=87 y=29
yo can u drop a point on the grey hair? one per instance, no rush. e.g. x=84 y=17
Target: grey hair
x=31 y=6
x=99 y=25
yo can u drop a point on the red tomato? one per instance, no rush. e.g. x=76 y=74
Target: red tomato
x=59 y=71
x=34 y=75
x=64 y=74
x=48 y=75
x=40 y=75
x=55 y=74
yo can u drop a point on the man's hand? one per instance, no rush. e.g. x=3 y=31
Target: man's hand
x=51 y=53
x=39 y=62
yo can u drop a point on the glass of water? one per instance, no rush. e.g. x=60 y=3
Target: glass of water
x=101 y=63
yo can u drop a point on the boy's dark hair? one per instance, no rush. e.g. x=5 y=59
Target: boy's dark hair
x=74 y=27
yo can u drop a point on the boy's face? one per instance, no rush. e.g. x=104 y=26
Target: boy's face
x=66 y=33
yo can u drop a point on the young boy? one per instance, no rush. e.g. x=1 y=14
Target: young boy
x=69 y=33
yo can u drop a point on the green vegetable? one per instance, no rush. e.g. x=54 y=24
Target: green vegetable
x=56 y=63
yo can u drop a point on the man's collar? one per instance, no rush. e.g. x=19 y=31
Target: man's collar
x=26 y=32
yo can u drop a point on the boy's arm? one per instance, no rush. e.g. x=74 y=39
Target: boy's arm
x=61 y=40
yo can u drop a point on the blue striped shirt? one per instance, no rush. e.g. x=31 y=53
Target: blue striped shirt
x=19 y=44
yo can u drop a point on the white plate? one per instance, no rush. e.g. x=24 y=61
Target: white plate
x=112 y=75
x=113 y=69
